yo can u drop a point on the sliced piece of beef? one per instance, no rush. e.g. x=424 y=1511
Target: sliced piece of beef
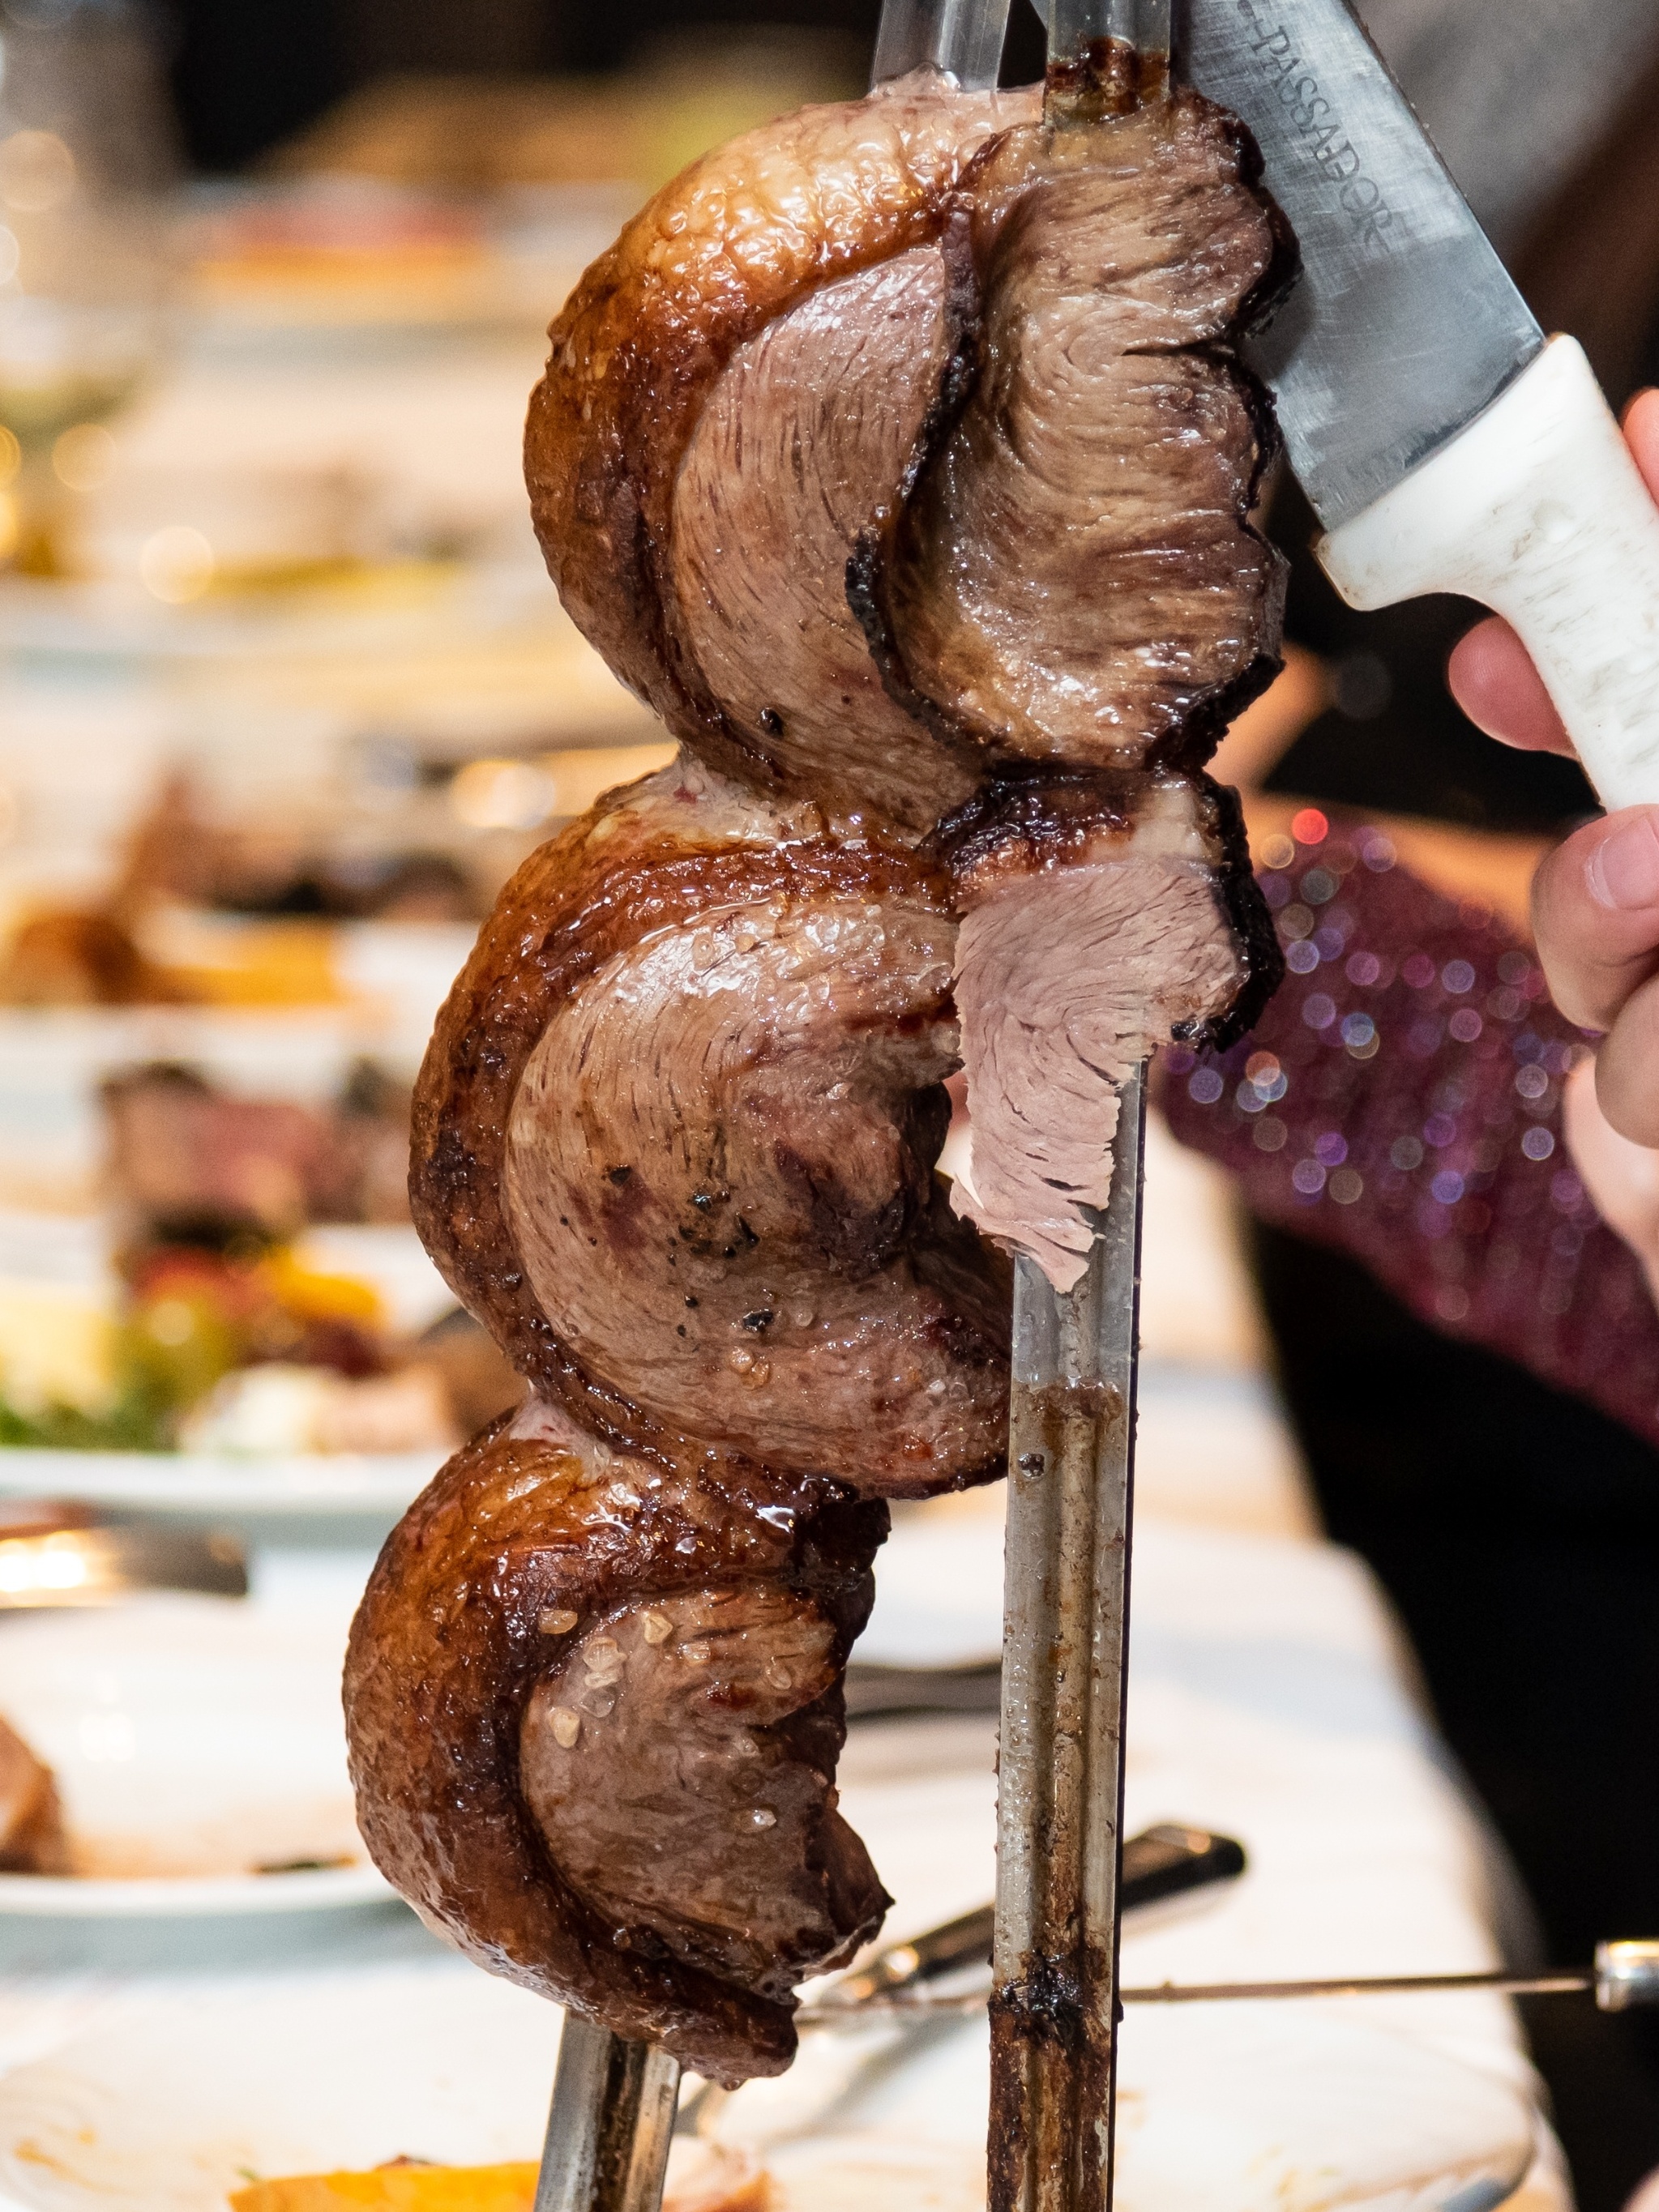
x=575 y=1796
x=1074 y=577
x=773 y=223
x=802 y=440
x=674 y=1144
x=1093 y=932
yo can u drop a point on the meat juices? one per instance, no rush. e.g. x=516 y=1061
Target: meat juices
x=899 y=456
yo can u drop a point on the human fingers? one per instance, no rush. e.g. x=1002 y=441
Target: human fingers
x=1642 y=436
x=1621 y=1177
x=1595 y=915
x=1627 y=1068
x=1491 y=673
x=1493 y=681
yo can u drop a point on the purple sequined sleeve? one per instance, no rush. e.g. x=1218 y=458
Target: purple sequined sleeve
x=1401 y=1102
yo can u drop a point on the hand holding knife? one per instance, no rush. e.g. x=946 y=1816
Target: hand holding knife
x=1443 y=443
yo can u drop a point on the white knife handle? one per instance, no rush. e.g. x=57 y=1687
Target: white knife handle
x=1537 y=511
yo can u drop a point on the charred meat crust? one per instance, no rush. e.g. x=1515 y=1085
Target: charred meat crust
x=1258 y=948
x=574 y=905
x=1032 y=821
x=467 y=1611
x=733 y=243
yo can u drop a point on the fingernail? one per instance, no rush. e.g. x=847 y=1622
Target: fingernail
x=1624 y=869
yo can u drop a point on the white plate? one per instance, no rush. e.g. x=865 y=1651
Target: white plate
x=318 y=1889
x=1240 y=2108
x=345 y=1499
x=172 y=2106
x=224 y=1483
x=194 y=1741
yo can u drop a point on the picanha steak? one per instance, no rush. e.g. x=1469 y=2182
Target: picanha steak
x=900 y=456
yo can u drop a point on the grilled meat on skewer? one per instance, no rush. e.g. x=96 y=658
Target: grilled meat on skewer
x=874 y=433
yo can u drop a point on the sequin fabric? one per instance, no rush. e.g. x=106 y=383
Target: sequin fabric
x=1401 y=1102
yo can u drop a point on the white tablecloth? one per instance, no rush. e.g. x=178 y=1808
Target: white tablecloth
x=1268 y=1702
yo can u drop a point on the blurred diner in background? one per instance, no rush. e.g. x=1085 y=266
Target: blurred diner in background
x=285 y=697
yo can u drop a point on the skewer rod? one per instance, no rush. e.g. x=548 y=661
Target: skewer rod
x=610 y=2124
x=963 y=37
x=1626 y=1975
x=1075 y=25
x=1054 y=2002
x=921 y=2005
x=1377 y=1985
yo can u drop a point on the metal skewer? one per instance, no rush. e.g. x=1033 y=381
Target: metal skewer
x=1055 y=1999
x=1625 y=1975
x=610 y=2124
x=1060 y=1764
x=612 y=2115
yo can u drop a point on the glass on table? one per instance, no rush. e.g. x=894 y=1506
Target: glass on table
x=86 y=150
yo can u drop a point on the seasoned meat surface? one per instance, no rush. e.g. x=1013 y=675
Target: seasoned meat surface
x=675 y=1139
x=747 y=233
x=1074 y=576
x=761 y=1169
x=568 y=1787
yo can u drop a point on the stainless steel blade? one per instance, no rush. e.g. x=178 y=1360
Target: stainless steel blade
x=101 y=1566
x=1054 y=2008
x=1404 y=325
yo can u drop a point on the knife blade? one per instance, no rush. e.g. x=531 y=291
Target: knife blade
x=1444 y=445
x=1405 y=324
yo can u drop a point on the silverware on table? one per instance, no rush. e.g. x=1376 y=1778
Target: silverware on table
x=879 y=1694
x=97 y=1565
x=907 y=1978
x=1623 y=1979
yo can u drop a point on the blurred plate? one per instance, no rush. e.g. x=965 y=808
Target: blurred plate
x=173 y=2106
x=200 y=1755
x=346 y=1497
x=1236 y=2108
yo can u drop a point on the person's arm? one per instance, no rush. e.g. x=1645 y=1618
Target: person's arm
x=1596 y=898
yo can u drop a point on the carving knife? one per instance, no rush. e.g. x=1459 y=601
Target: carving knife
x=1443 y=443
